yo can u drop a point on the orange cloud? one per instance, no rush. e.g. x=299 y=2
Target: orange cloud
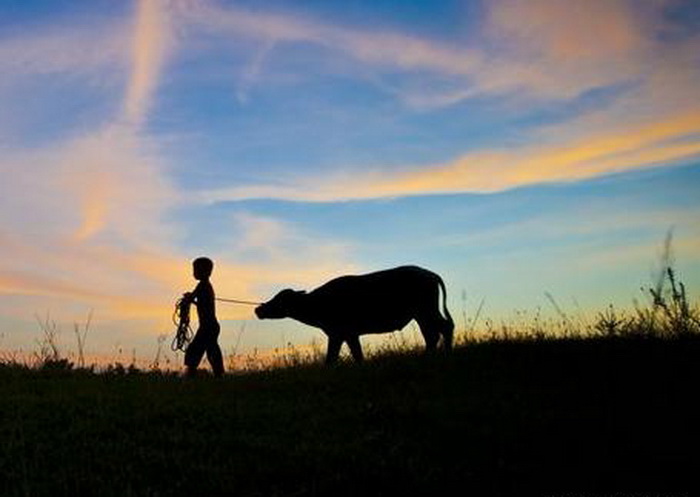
x=125 y=281
x=581 y=159
x=94 y=208
x=560 y=30
x=661 y=143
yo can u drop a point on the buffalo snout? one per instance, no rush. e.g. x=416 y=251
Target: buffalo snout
x=260 y=312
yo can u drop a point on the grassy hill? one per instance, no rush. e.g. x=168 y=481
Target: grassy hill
x=501 y=417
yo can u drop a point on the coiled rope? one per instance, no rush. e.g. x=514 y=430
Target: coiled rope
x=181 y=319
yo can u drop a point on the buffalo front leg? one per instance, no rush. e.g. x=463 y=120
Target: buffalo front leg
x=333 y=351
x=355 y=348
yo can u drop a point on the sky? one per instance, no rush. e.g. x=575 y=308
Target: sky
x=515 y=147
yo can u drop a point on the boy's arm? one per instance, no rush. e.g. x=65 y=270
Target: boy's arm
x=193 y=296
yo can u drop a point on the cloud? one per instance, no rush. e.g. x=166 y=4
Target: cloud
x=268 y=241
x=76 y=189
x=85 y=50
x=81 y=224
x=99 y=53
x=385 y=51
x=535 y=52
x=543 y=48
x=557 y=30
x=78 y=215
x=556 y=49
x=85 y=219
x=142 y=282
x=51 y=72
x=151 y=42
x=252 y=71
x=587 y=156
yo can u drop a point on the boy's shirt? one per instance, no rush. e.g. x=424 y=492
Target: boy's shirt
x=204 y=298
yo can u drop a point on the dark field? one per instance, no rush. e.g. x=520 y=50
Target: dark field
x=604 y=416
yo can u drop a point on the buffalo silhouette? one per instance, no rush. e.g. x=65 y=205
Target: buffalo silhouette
x=380 y=302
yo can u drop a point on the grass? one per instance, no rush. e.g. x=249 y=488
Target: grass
x=608 y=410
x=505 y=417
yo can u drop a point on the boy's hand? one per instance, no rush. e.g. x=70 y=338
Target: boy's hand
x=187 y=296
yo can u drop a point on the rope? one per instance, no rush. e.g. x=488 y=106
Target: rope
x=234 y=301
x=181 y=319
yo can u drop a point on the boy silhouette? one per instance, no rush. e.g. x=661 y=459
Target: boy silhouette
x=205 y=340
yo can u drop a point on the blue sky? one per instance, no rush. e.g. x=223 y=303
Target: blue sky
x=515 y=147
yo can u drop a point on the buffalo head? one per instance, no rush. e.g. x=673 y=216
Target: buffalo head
x=280 y=306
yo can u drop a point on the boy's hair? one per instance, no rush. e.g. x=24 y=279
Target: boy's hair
x=204 y=264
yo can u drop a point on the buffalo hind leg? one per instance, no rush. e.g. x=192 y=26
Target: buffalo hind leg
x=431 y=330
x=355 y=348
x=333 y=351
x=447 y=331
x=430 y=335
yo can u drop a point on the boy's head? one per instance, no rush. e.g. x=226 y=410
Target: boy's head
x=202 y=268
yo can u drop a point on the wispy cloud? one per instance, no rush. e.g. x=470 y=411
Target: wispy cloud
x=383 y=48
x=252 y=72
x=543 y=48
x=151 y=41
x=72 y=50
x=384 y=51
x=584 y=157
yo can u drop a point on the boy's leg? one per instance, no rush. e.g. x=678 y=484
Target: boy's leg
x=214 y=355
x=195 y=351
x=216 y=359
